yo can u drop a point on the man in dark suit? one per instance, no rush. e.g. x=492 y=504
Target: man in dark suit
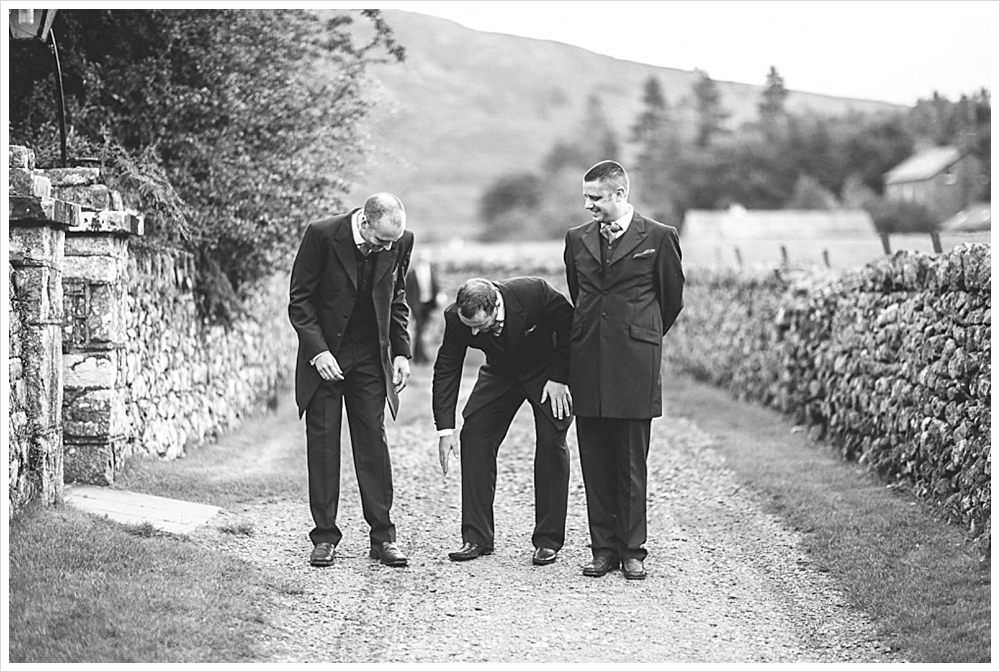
x=347 y=304
x=422 y=291
x=626 y=283
x=522 y=325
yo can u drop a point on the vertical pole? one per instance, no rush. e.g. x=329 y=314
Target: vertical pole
x=739 y=258
x=885 y=243
x=784 y=255
x=936 y=241
x=826 y=258
x=61 y=103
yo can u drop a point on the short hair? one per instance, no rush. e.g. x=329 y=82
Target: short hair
x=384 y=205
x=474 y=295
x=609 y=173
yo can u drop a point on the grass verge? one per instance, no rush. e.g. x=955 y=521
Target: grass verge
x=893 y=556
x=87 y=590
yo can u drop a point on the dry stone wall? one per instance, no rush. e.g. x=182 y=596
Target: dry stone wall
x=188 y=380
x=891 y=363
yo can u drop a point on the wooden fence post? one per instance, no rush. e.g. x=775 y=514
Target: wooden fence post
x=885 y=243
x=936 y=241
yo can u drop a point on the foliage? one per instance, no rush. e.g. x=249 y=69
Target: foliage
x=509 y=203
x=895 y=216
x=809 y=194
x=238 y=126
x=711 y=115
x=658 y=155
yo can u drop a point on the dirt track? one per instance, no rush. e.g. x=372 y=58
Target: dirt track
x=727 y=584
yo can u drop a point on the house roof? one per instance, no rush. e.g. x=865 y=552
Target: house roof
x=740 y=224
x=924 y=165
x=976 y=217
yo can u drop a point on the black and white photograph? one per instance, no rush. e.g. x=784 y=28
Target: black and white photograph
x=492 y=335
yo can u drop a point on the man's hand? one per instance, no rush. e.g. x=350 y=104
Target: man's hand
x=400 y=372
x=446 y=444
x=328 y=367
x=562 y=401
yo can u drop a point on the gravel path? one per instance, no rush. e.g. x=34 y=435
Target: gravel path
x=726 y=584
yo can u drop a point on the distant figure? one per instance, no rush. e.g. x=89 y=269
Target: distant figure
x=347 y=304
x=522 y=325
x=625 y=279
x=422 y=291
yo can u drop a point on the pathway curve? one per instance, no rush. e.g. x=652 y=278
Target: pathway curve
x=727 y=583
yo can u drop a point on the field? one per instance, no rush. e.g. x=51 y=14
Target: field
x=545 y=257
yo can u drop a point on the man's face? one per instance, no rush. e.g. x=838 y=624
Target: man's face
x=382 y=233
x=603 y=202
x=481 y=321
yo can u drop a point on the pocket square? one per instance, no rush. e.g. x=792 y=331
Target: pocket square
x=530 y=330
x=644 y=253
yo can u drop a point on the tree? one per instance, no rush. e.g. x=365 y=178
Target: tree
x=250 y=118
x=658 y=155
x=809 y=194
x=711 y=115
x=771 y=107
x=509 y=204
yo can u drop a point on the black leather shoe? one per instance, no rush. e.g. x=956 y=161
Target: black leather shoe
x=543 y=556
x=388 y=554
x=322 y=555
x=469 y=551
x=600 y=566
x=633 y=569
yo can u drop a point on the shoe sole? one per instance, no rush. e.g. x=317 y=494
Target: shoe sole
x=321 y=563
x=463 y=558
x=635 y=577
x=375 y=556
x=597 y=574
x=544 y=562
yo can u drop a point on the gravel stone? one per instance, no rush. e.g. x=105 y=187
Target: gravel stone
x=727 y=583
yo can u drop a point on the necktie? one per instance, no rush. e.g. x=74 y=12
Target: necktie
x=609 y=231
x=365 y=248
x=497 y=328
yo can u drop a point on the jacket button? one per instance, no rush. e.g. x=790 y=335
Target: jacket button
x=604 y=314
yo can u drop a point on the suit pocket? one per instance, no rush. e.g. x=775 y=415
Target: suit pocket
x=647 y=335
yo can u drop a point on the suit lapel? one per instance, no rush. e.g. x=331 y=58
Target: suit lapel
x=344 y=247
x=634 y=234
x=513 y=319
x=383 y=262
x=592 y=240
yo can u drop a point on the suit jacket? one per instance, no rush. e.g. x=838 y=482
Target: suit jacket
x=621 y=316
x=532 y=348
x=324 y=285
x=413 y=288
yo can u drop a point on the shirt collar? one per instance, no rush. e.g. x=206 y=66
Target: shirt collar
x=625 y=220
x=356 y=227
x=501 y=311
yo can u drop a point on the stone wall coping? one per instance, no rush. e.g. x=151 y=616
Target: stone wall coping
x=35 y=211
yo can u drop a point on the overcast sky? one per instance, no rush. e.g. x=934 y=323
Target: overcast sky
x=895 y=51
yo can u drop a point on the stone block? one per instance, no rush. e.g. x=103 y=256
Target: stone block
x=87 y=414
x=20 y=157
x=88 y=244
x=104 y=315
x=91 y=463
x=21 y=182
x=92 y=269
x=35 y=244
x=41 y=187
x=90 y=370
x=73 y=177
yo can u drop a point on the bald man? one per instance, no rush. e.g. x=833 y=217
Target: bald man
x=347 y=303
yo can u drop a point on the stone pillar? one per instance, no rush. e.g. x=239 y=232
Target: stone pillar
x=94 y=337
x=37 y=238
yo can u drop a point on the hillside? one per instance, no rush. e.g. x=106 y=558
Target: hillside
x=469 y=106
